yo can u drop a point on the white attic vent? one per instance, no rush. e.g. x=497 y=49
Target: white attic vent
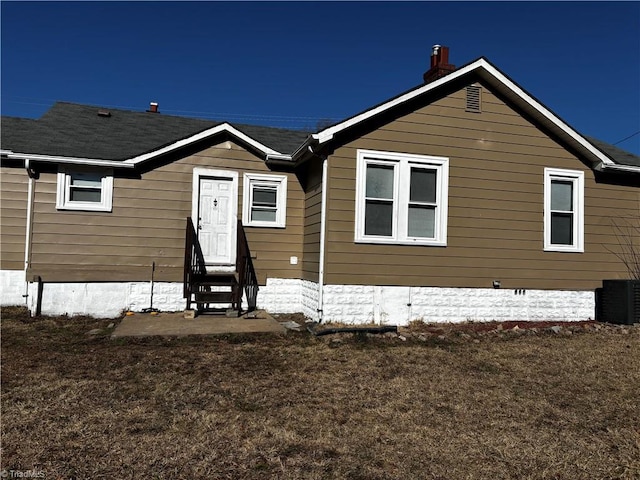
x=474 y=98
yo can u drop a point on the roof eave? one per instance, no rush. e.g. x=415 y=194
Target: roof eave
x=305 y=151
x=279 y=159
x=494 y=77
x=222 y=128
x=618 y=168
x=132 y=162
x=95 y=162
x=327 y=134
x=542 y=114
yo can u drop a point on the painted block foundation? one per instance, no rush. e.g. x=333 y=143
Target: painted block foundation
x=354 y=304
x=281 y=295
x=13 y=287
x=107 y=300
x=350 y=304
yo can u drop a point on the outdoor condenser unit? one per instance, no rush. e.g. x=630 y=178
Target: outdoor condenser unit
x=620 y=301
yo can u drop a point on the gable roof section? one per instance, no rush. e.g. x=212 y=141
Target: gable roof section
x=74 y=131
x=597 y=152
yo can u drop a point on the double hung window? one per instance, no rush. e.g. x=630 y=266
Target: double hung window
x=84 y=189
x=265 y=200
x=563 y=210
x=401 y=198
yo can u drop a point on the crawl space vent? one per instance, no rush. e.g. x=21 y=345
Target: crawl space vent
x=473 y=98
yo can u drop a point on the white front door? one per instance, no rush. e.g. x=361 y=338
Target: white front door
x=216 y=219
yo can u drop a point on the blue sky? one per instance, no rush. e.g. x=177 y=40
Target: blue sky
x=293 y=64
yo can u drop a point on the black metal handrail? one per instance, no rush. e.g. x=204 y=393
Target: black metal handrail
x=193 y=260
x=247 y=279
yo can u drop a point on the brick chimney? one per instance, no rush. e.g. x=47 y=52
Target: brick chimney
x=440 y=65
x=153 y=107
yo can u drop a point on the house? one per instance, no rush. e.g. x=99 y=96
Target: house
x=464 y=198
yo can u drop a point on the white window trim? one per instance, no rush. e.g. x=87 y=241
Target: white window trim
x=402 y=162
x=577 y=177
x=63 y=193
x=280 y=182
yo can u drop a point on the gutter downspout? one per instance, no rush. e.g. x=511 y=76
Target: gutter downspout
x=323 y=223
x=27 y=240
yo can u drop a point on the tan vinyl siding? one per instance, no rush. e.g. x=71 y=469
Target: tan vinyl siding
x=312 y=215
x=496 y=194
x=13 y=217
x=147 y=225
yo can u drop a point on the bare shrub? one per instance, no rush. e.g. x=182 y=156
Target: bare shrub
x=627 y=232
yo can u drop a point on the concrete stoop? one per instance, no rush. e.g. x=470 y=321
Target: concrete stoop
x=183 y=323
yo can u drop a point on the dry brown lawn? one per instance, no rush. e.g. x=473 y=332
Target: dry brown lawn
x=298 y=407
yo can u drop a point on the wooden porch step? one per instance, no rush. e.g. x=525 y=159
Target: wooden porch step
x=214 y=297
x=216 y=279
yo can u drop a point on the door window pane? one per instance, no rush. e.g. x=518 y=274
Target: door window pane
x=422 y=221
x=378 y=218
x=562 y=228
x=423 y=185
x=562 y=195
x=379 y=181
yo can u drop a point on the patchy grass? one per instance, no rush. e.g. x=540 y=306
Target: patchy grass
x=292 y=407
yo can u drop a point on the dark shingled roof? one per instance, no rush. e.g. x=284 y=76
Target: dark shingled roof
x=73 y=130
x=18 y=134
x=616 y=154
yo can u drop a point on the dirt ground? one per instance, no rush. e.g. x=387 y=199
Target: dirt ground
x=470 y=401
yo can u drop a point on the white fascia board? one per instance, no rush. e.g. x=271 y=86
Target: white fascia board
x=279 y=157
x=480 y=65
x=96 y=162
x=328 y=134
x=618 y=167
x=224 y=127
x=304 y=149
x=280 y=160
x=546 y=113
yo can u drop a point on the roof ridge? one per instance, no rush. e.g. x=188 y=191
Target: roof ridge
x=127 y=133
x=213 y=122
x=130 y=111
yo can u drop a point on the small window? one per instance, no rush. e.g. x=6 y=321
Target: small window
x=264 y=200
x=474 y=98
x=84 y=189
x=401 y=198
x=563 y=210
